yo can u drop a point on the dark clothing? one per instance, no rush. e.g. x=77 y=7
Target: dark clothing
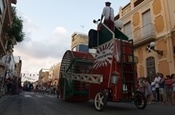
x=110 y=24
x=157 y=94
x=161 y=85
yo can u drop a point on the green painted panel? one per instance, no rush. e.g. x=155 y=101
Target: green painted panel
x=105 y=35
x=120 y=35
x=76 y=92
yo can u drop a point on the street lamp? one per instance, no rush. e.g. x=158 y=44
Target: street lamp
x=151 y=47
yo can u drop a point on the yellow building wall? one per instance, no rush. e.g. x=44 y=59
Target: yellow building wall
x=136 y=19
x=159 y=25
x=141 y=71
x=163 y=67
x=157 y=7
x=163 y=20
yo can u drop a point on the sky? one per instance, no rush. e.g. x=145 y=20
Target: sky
x=48 y=26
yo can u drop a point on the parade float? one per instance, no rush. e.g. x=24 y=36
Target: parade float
x=109 y=75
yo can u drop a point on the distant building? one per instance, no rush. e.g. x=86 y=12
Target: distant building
x=43 y=76
x=54 y=74
x=18 y=66
x=151 y=21
x=79 y=42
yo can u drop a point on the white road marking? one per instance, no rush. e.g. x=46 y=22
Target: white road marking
x=51 y=95
x=28 y=92
x=27 y=96
x=39 y=96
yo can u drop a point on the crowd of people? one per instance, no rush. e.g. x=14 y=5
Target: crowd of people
x=158 y=88
x=45 y=89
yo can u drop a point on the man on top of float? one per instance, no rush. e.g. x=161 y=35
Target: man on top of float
x=108 y=15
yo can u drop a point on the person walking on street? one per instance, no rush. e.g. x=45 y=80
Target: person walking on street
x=58 y=91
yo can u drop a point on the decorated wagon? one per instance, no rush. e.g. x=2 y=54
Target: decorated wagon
x=107 y=75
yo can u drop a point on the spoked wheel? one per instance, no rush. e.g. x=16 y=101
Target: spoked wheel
x=140 y=100
x=100 y=101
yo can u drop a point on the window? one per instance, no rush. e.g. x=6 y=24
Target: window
x=81 y=48
x=146 y=22
x=127 y=30
x=150 y=66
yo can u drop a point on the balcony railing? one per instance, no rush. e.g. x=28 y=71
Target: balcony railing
x=137 y=2
x=143 y=35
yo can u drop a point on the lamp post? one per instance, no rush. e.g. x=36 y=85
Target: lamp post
x=151 y=47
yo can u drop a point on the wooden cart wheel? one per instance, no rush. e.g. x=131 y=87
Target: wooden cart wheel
x=140 y=100
x=63 y=83
x=79 y=63
x=100 y=101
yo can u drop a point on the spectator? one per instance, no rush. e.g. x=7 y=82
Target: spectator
x=168 y=89
x=148 y=91
x=173 y=85
x=157 y=81
x=161 y=87
x=153 y=89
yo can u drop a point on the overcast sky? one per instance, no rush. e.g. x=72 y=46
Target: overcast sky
x=48 y=26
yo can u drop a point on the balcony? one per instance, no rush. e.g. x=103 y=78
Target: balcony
x=143 y=35
x=137 y=2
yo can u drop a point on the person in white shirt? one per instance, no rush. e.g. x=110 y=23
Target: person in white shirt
x=157 y=81
x=108 y=15
x=153 y=89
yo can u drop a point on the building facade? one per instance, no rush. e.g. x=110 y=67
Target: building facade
x=79 y=42
x=7 y=64
x=43 y=77
x=151 y=22
x=5 y=21
x=18 y=66
x=50 y=76
x=54 y=74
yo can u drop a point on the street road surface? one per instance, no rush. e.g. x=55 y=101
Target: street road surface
x=29 y=103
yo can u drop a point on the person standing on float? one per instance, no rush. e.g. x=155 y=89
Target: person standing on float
x=108 y=15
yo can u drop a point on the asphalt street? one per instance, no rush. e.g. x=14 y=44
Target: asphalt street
x=29 y=103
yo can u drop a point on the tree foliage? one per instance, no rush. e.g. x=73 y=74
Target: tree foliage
x=17 y=26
